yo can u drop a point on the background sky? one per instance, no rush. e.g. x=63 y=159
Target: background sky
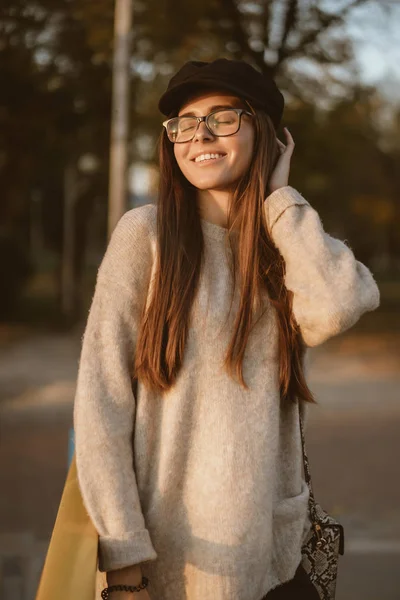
x=376 y=36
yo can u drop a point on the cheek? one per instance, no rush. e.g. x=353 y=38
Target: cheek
x=181 y=158
x=177 y=154
x=245 y=153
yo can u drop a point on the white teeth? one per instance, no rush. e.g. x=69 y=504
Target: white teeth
x=207 y=157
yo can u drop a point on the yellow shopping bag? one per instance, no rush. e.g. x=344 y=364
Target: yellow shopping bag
x=71 y=567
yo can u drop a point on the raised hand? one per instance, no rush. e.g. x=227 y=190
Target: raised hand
x=280 y=175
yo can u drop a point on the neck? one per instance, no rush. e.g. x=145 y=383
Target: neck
x=213 y=206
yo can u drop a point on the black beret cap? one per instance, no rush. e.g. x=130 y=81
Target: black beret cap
x=235 y=76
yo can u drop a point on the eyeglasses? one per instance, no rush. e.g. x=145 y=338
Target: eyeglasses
x=220 y=123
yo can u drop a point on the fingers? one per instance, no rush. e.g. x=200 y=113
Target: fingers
x=289 y=137
x=290 y=142
x=281 y=146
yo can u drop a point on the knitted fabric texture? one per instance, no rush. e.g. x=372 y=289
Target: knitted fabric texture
x=203 y=485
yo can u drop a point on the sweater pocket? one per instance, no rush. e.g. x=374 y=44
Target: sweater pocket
x=289 y=520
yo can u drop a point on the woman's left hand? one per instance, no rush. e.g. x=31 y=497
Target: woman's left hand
x=280 y=175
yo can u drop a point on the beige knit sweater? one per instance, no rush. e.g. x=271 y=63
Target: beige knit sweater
x=204 y=485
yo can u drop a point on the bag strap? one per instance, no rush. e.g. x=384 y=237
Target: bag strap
x=307 y=473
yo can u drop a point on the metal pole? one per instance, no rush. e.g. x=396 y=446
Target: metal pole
x=120 y=113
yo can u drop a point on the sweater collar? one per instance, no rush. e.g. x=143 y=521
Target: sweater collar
x=212 y=230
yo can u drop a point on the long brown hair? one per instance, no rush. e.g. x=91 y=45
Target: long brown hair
x=164 y=325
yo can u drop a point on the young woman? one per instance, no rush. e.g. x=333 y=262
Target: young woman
x=191 y=375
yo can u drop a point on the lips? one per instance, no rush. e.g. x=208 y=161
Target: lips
x=207 y=158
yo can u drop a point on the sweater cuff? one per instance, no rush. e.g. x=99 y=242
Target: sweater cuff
x=281 y=199
x=120 y=553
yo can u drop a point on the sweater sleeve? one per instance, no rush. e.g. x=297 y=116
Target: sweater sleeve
x=104 y=407
x=331 y=289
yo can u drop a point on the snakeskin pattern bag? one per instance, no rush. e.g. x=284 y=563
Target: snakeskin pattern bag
x=325 y=541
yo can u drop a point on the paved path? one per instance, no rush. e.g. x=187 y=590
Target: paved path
x=352 y=437
x=354 y=445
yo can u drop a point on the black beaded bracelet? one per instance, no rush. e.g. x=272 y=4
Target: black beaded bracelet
x=124 y=588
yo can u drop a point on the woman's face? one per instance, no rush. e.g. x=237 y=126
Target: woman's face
x=236 y=150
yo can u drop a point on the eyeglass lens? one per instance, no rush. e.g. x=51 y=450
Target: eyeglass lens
x=220 y=123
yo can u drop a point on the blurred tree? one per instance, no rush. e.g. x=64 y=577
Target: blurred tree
x=55 y=82
x=54 y=105
x=344 y=166
x=298 y=42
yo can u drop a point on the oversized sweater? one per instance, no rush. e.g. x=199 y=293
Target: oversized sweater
x=203 y=485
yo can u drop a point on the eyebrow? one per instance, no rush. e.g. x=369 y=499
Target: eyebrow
x=215 y=107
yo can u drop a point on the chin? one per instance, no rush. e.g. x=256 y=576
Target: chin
x=210 y=184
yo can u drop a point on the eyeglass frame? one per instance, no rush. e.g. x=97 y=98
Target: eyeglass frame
x=238 y=111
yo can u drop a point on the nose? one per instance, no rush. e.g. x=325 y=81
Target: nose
x=203 y=133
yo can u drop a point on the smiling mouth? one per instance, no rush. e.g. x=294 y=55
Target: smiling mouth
x=207 y=159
